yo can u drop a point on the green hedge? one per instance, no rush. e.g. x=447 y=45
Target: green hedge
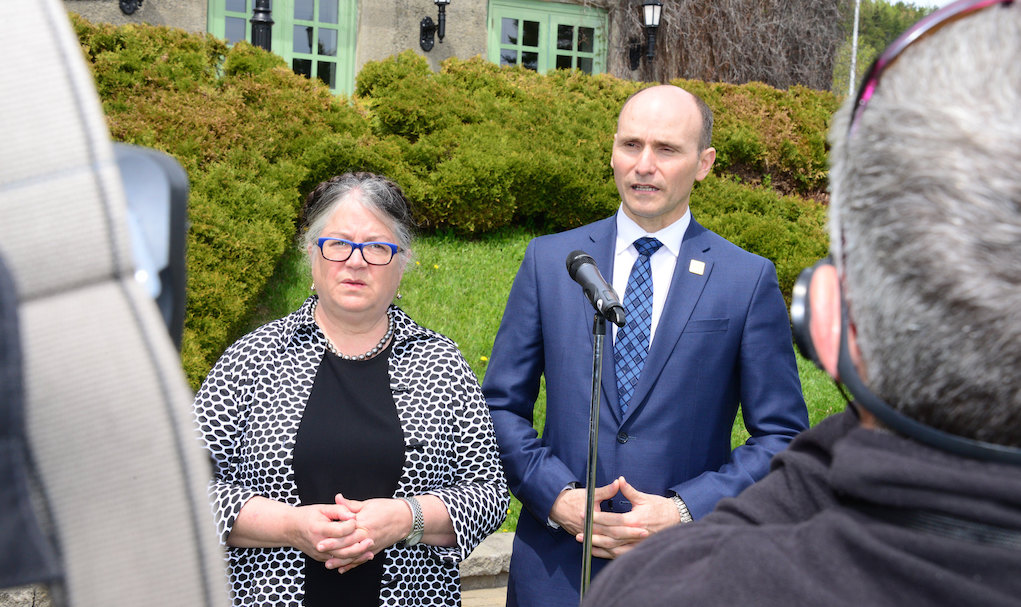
x=239 y=122
x=477 y=147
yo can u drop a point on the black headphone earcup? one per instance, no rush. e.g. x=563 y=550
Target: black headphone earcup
x=801 y=314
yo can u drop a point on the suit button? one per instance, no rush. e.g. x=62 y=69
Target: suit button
x=622 y=437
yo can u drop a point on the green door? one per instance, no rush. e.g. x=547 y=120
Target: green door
x=542 y=36
x=315 y=37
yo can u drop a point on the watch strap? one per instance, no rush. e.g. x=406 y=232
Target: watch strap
x=682 y=509
x=417 y=522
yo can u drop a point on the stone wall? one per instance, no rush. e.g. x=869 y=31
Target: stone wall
x=189 y=15
x=387 y=27
x=35 y=595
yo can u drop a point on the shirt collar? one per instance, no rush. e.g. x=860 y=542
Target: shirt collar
x=302 y=321
x=671 y=236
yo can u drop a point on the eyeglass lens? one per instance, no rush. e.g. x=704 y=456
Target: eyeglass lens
x=375 y=253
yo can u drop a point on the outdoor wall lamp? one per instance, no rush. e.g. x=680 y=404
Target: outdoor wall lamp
x=427 y=28
x=651 y=11
x=130 y=6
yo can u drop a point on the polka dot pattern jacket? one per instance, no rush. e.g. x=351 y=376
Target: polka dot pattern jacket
x=248 y=410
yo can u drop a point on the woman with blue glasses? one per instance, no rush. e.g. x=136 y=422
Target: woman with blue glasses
x=355 y=461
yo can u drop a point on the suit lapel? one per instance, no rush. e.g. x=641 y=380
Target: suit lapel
x=603 y=238
x=685 y=290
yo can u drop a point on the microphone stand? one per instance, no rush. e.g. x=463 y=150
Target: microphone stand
x=598 y=333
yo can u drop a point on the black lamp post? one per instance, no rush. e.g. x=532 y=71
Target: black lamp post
x=427 y=29
x=262 y=25
x=651 y=11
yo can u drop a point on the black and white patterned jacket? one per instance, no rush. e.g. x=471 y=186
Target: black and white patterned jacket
x=248 y=410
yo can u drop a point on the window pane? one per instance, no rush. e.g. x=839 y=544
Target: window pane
x=328 y=73
x=302 y=42
x=563 y=62
x=237 y=6
x=530 y=61
x=235 y=29
x=302 y=67
x=585 y=64
x=508 y=57
x=565 y=37
x=586 y=39
x=328 y=11
x=303 y=9
x=508 y=31
x=530 y=36
x=327 y=42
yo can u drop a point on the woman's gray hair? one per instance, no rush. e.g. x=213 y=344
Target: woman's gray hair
x=379 y=194
x=925 y=221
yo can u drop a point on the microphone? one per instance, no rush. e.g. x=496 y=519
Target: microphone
x=583 y=271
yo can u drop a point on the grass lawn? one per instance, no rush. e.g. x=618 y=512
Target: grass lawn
x=458 y=287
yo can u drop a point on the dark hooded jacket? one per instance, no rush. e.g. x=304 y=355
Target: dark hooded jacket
x=847 y=516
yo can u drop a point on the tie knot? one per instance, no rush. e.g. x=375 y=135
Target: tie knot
x=647 y=245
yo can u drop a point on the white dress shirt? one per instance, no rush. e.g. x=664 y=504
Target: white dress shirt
x=662 y=262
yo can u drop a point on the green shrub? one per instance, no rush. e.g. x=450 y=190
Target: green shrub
x=475 y=146
x=549 y=138
x=789 y=231
x=239 y=122
x=383 y=74
x=760 y=130
x=493 y=147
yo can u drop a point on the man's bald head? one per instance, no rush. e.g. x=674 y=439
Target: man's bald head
x=705 y=139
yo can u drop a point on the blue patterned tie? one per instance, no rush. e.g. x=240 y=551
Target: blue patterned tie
x=633 y=338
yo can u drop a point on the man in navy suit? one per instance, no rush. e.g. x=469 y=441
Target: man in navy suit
x=720 y=338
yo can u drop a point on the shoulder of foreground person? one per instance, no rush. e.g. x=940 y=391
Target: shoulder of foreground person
x=796 y=486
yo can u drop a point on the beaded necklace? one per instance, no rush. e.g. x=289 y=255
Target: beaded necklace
x=375 y=349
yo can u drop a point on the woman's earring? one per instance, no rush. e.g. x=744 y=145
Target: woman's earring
x=313 y=287
x=398 y=295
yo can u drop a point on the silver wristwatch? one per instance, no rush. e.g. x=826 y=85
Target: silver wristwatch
x=417 y=522
x=682 y=509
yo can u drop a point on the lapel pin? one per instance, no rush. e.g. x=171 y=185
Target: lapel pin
x=696 y=267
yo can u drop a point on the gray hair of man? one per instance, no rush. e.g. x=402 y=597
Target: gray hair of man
x=925 y=222
x=377 y=193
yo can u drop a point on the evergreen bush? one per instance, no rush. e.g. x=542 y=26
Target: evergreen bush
x=788 y=230
x=476 y=147
x=240 y=123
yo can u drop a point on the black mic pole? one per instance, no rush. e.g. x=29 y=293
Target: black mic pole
x=603 y=298
x=598 y=334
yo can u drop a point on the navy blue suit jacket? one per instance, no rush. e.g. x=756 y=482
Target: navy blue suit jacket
x=723 y=340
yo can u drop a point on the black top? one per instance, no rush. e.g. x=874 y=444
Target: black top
x=350 y=442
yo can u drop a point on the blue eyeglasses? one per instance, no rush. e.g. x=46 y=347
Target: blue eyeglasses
x=374 y=253
x=925 y=25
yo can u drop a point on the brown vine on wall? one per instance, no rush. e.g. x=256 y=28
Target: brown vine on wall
x=778 y=42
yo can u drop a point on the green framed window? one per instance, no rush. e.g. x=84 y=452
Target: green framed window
x=315 y=37
x=543 y=36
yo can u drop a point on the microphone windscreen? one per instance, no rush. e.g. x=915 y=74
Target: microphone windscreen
x=576 y=259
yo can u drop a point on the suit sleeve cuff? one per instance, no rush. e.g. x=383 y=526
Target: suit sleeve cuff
x=550 y=521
